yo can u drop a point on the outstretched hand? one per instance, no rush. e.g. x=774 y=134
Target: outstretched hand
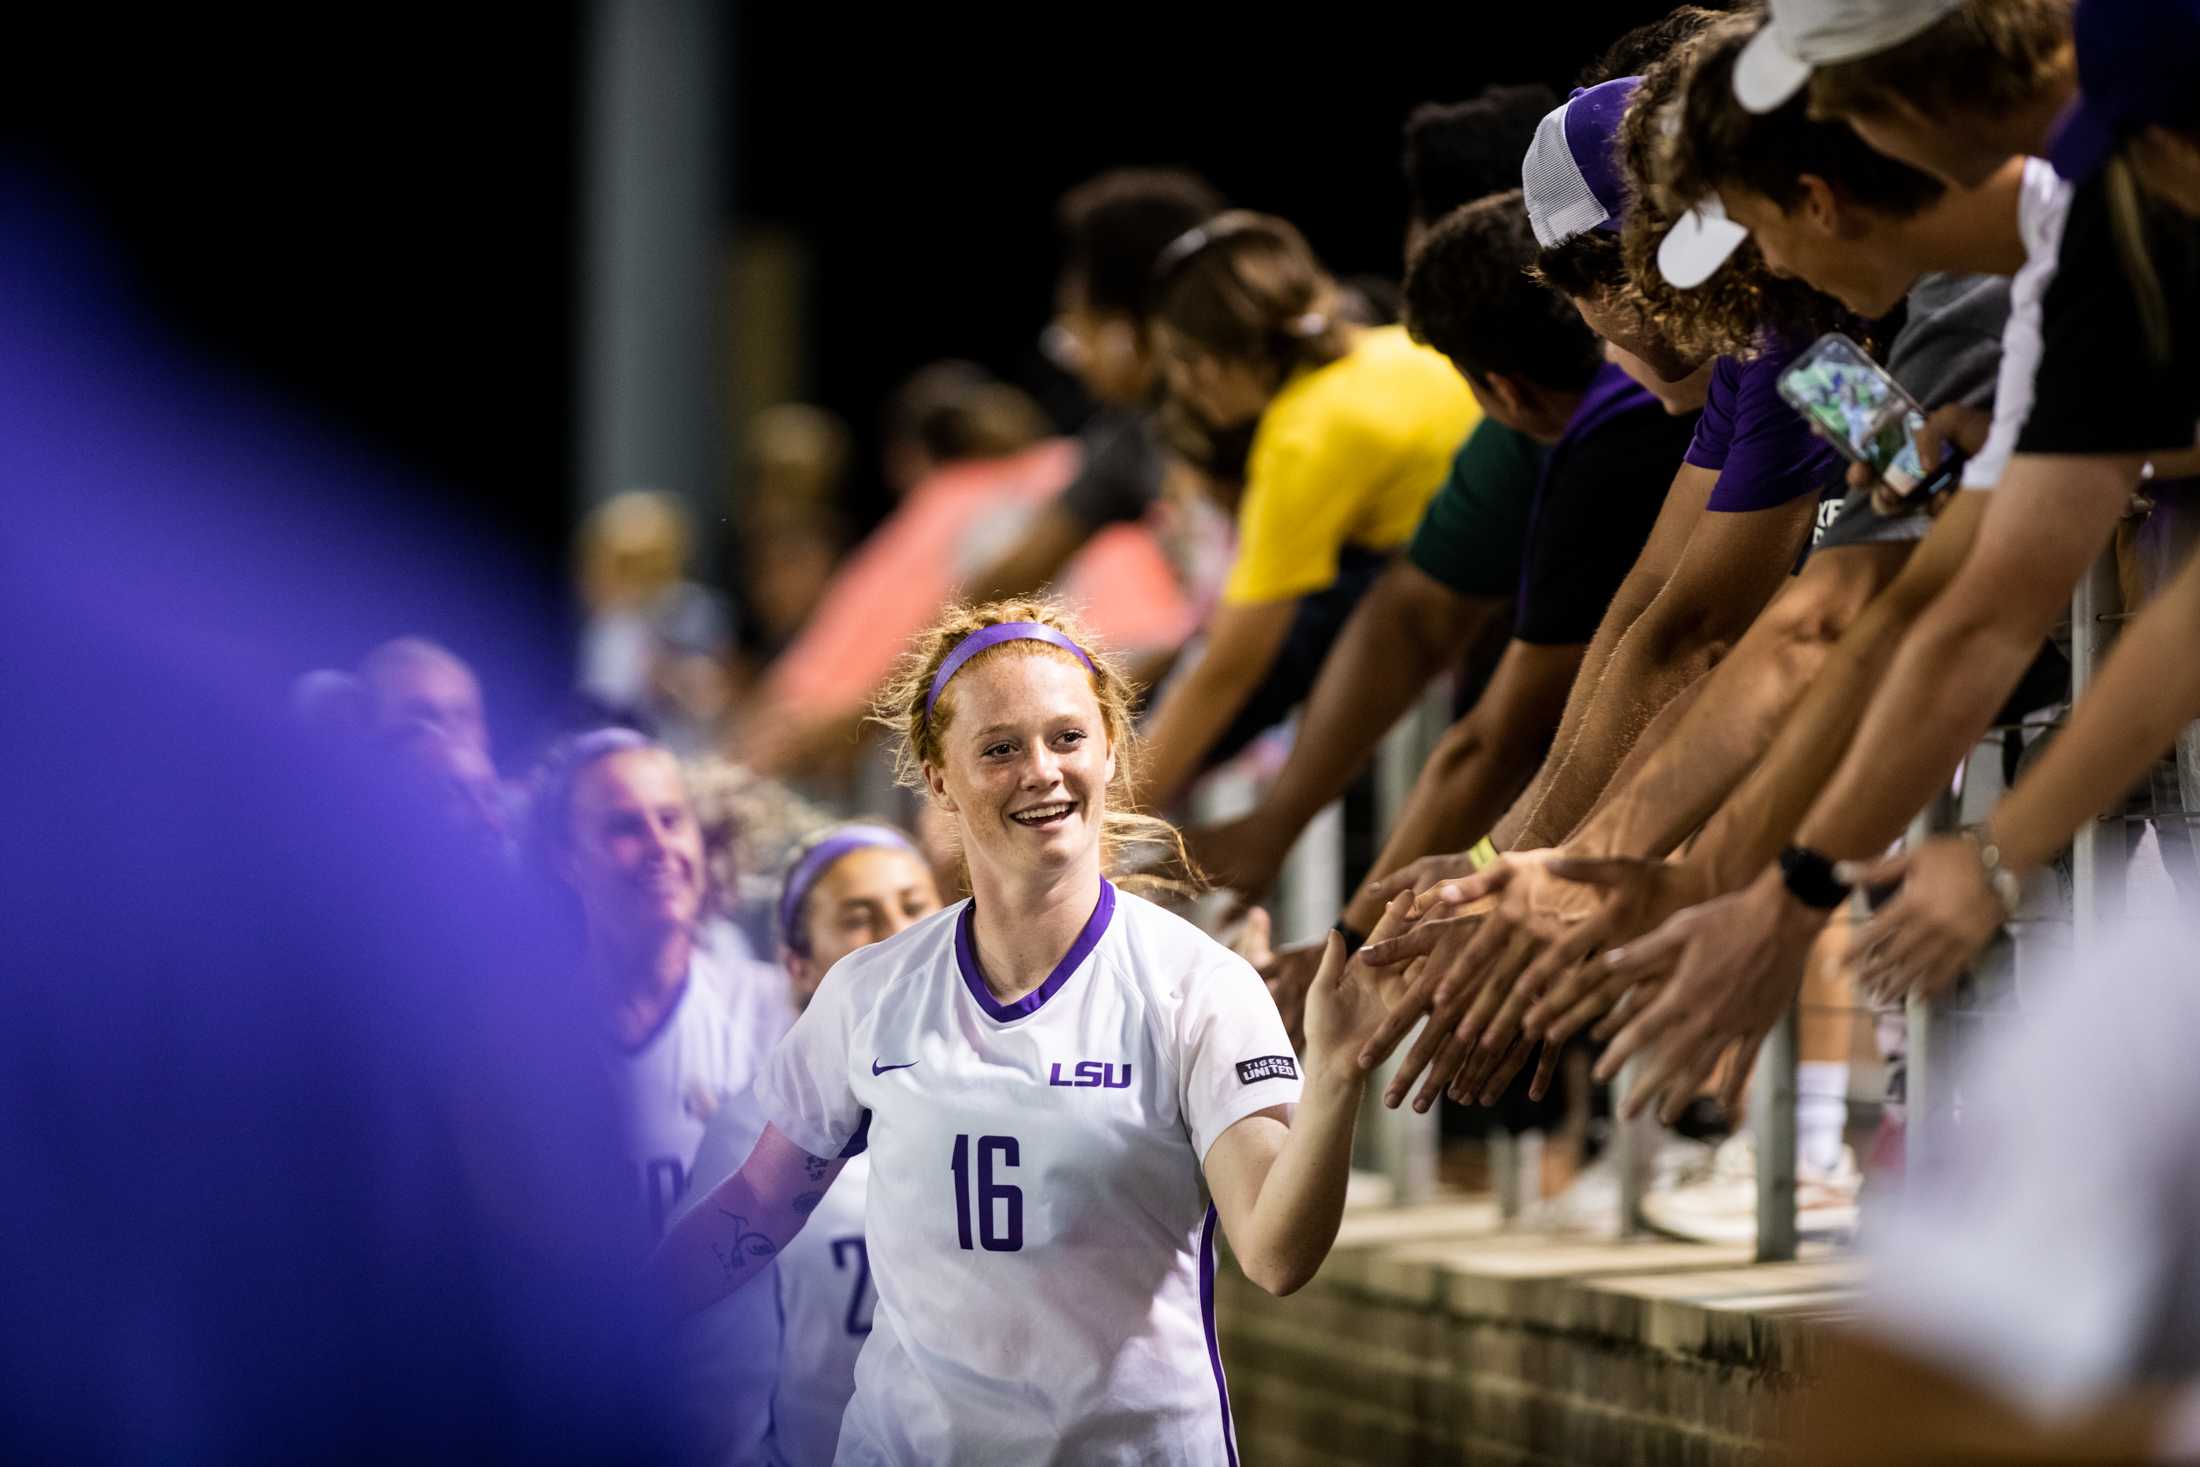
x=1713 y=978
x=1450 y=868
x=1567 y=990
x=1347 y=999
x=1923 y=940
x=1472 y=990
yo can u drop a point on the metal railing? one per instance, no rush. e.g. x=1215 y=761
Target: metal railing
x=1403 y=1144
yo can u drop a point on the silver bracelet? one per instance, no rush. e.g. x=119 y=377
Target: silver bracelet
x=2000 y=880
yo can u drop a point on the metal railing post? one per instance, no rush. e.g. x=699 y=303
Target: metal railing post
x=2099 y=852
x=1634 y=1149
x=1772 y=1121
x=1406 y=1142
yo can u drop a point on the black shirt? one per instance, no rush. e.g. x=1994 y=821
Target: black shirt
x=1601 y=492
x=2099 y=387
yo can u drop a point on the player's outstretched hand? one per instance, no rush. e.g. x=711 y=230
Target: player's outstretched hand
x=1734 y=963
x=1349 y=998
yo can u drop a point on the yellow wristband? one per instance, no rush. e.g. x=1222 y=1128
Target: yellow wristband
x=1482 y=854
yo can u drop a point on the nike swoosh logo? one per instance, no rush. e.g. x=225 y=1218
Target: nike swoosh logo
x=879 y=1069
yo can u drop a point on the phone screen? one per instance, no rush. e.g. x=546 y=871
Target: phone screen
x=1851 y=401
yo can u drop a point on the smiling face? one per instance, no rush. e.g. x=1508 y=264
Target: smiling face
x=634 y=852
x=864 y=897
x=1840 y=250
x=1024 y=761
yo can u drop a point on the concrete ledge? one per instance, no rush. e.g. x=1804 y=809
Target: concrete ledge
x=1432 y=1336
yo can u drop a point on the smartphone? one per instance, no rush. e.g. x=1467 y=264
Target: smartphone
x=1851 y=402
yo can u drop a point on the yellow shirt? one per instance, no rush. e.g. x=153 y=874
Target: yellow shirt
x=1346 y=454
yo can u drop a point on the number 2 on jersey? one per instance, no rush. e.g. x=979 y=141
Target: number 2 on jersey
x=1010 y=1237
x=859 y=1297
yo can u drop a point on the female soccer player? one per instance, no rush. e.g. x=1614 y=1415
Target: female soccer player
x=688 y=1026
x=1064 y=1089
x=849 y=887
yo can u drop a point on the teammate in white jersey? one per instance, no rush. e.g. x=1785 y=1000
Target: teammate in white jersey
x=615 y=825
x=686 y=1038
x=1063 y=1088
x=848 y=888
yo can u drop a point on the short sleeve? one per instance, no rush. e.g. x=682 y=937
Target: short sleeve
x=1772 y=457
x=1471 y=537
x=804 y=1090
x=1296 y=512
x=1233 y=1056
x=1715 y=424
x=2042 y=210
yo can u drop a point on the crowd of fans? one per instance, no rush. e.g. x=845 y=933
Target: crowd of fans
x=1706 y=662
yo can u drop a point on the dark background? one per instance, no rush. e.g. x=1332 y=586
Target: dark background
x=376 y=217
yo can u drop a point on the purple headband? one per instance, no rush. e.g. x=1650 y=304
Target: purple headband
x=993 y=636
x=814 y=863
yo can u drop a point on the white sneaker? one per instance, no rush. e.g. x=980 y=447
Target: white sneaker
x=1719 y=1204
x=1590 y=1203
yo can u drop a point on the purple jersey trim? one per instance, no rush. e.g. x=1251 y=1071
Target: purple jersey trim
x=1207 y=1318
x=966 y=959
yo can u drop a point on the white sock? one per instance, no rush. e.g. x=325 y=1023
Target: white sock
x=1821 y=1112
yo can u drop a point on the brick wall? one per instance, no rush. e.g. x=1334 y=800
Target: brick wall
x=1504 y=1349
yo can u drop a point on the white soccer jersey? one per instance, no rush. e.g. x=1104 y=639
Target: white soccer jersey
x=693 y=1077
x=1039 y=1228
x=826 y=1302
x=824 y=1294
x=703 y=1051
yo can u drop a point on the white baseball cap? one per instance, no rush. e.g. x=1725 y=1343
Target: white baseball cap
x=1802 y=35
x=1698 y=244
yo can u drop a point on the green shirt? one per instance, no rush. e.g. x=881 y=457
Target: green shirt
x=1474 y=532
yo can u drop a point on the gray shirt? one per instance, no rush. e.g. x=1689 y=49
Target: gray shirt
x=1948 y=350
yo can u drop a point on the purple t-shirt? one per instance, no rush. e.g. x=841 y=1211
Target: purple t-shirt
x=1764 y=450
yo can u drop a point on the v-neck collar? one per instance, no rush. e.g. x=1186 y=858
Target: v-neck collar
x=966 y=960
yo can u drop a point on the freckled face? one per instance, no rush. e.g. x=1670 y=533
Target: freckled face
x=1025 y=761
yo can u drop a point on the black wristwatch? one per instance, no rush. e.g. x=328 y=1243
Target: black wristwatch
x=1808 y=875
x=1354 y=939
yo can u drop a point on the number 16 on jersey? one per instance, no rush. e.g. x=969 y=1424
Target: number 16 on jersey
x=993 y=1198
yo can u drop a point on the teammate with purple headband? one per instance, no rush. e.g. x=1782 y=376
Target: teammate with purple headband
x=1067 y=1091
x=849 y=887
